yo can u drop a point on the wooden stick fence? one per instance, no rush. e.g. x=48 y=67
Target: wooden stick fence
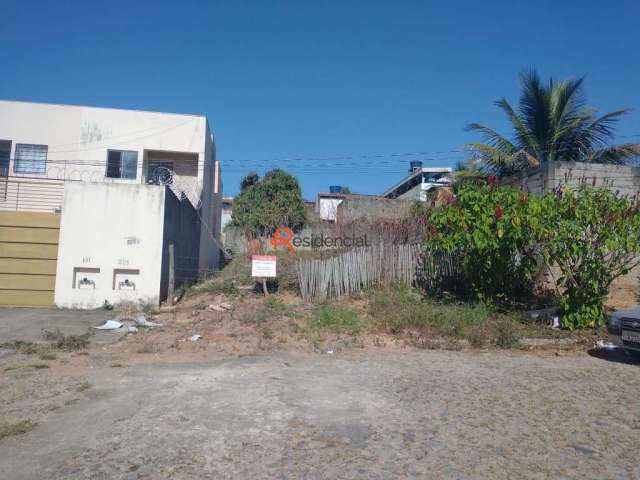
x=360 y=268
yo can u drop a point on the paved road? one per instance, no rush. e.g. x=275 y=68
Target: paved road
x=27 y=324
x=431 y=414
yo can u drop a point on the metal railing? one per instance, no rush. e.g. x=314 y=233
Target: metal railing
x=36 y=195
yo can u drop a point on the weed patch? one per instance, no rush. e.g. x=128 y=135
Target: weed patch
x=18 y=428
x=398 y=310
x=67 y=342
x=334 y=318
x=25 y=348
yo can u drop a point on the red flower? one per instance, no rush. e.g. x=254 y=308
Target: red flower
x=492 y=180
x=499 y=212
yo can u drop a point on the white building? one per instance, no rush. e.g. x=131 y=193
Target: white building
x=419 y=182
x=127 y=183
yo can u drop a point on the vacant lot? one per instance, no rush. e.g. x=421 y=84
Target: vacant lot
x=438 y=414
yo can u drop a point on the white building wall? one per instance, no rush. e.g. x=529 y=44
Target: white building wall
x=102 y=243
x=79 y=137
x=78 y=140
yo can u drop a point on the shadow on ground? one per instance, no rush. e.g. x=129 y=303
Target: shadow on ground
x=617 y=355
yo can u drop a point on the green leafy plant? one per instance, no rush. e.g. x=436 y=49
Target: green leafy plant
x=489 y=228
x=592 y=237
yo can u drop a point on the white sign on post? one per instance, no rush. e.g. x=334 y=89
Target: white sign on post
x=263 y=266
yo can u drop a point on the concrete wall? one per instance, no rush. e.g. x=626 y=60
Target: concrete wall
x=182 y=230
x=110 y=233
x=354 y=208
x=621 y=179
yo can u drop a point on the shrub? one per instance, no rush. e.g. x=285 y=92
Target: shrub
x=489 y=227
x=593 y=237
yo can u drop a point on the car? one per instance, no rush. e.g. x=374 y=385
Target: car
x=625 y=324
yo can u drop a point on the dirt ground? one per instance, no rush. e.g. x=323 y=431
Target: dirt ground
x=257 y=397
x=428 y=414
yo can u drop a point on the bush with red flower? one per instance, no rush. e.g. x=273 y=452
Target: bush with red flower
x=588 y=236
x=488 y=227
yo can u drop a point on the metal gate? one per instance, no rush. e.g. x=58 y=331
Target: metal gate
x=28 y=258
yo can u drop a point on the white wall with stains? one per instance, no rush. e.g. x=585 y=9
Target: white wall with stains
x=110 y=245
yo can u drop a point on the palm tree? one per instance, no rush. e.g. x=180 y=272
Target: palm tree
x=552 y=122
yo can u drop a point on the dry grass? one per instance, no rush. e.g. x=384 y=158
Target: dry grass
x=61 y=341
x=18 y=428
x=47 y=356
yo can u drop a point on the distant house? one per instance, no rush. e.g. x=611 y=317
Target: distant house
x=340 y=207
x=420 y=181
x=94 y=200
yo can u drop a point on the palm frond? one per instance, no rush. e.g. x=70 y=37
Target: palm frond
x=523 y=136
x=534 y=109
x=616 y=154
x=492 y=137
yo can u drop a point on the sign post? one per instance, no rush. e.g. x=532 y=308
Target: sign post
x=263 y=266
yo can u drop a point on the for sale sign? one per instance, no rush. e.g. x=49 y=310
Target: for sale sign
x=263 y=266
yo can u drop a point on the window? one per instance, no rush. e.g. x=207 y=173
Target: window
x=122 y=164
x=5 y=153
x=30 y=158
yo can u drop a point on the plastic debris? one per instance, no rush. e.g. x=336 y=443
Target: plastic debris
x=602 y=345
x=132 y=329
x=109 y=325
x=555 y=322
x=195 y=338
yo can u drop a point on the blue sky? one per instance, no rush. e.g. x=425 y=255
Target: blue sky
x=328 y=90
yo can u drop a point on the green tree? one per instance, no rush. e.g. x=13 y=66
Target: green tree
x=552 y=122
x=248 y=180
x=267 y=203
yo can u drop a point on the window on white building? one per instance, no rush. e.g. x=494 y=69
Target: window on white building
x=30 y=158
x=122 y=164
